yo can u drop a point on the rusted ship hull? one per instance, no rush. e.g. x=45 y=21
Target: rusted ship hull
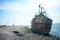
x=41 y=23
x=41 y=28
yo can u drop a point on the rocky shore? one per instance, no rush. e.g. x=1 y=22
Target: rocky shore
x=23 y=34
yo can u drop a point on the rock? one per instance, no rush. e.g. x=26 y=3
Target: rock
x=5 y=35
x=17 y=33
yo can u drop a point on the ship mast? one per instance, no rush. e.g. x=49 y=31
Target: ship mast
x=41 y=11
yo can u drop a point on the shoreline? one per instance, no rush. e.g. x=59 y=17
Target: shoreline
x=27 y=34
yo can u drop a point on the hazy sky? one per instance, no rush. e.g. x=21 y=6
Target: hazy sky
x=21 y=12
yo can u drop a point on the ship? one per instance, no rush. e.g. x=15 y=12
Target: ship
x=41 y=23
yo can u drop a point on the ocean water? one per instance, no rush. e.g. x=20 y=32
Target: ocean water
x=55 y=29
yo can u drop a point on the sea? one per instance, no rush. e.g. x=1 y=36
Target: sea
x=55 y=29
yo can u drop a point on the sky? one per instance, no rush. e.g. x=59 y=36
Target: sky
x=21 y=12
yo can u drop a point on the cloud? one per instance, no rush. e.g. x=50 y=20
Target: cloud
x=29 y=5
x=13 y=0
x=17 y=6
x=24 y=11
